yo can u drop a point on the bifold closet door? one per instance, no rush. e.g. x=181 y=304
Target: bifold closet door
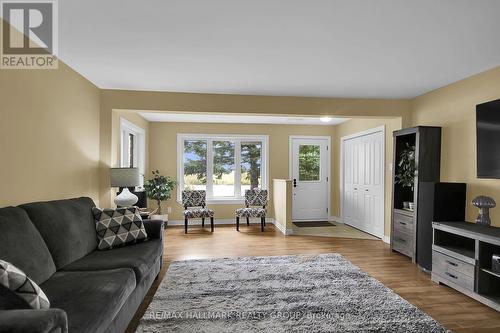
x=363 y=182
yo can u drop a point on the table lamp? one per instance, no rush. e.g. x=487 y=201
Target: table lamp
x=125 y=178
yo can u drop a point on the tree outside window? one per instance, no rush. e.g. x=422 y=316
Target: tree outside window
x=309 y=161
x=222 y=166
x=195 y=164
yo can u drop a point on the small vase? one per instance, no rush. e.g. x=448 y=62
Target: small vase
x=126 y=198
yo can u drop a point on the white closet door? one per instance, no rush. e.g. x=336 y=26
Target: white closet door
x=363 y=182
x=353 y=213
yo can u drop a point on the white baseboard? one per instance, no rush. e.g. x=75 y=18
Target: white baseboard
x=386 y=239
x=218 y=221
x=280 y=227
x=269 y=220
x=336 y=219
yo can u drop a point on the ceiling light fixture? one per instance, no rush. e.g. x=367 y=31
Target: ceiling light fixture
x=325 y=119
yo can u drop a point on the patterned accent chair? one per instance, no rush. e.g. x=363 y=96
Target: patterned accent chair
x=253 y=197
x=194 y=207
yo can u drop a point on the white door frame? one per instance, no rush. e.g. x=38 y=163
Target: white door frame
x=352 y=136
x=328 y=167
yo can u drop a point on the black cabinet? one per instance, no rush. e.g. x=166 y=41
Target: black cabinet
x=437 y=202
x=426 y=144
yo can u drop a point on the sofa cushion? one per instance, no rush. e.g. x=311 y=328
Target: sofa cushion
x=91 y=299
x=139 y=257
x=22 y=286
x=67 y=226
x=22 y=245
x=118 y=227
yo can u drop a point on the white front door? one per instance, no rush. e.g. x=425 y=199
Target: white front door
x=363 y=191
x=310 y=176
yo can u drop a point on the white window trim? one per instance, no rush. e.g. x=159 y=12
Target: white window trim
x=238 y=199
x=126 y=128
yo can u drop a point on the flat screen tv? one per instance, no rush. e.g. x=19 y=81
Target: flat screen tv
x=488 y=139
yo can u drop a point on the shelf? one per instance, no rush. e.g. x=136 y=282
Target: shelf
x=456 y=252
x=460 y=250
x=483 y=233
x=404 y=212
x=489 y=271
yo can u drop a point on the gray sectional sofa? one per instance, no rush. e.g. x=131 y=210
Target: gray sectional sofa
x=55 y=244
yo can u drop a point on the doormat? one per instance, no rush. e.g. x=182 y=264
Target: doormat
x=314 y=224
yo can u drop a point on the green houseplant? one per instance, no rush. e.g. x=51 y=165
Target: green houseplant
x=405 y=175
x=159 y=188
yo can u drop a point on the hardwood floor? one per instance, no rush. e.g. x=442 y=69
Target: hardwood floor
x=454 y=310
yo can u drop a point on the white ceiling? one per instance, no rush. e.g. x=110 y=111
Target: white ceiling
x=334 y=48
x=238 y=119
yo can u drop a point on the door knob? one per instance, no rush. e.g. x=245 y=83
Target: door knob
x=294 y=182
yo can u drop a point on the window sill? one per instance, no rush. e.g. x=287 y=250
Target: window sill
x=222 y=201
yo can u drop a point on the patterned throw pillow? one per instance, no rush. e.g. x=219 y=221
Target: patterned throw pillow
x=118 y=227
x=15 y=280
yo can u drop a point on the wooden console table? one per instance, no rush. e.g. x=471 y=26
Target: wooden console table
x=461 y=259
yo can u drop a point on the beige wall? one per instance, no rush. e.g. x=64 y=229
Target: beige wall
x=189 y=102
x=355 y=126
x=453 y=108
x=163 y=151
x=224 y=103
x=137 y=120
x=49 y=135
x=58 y=127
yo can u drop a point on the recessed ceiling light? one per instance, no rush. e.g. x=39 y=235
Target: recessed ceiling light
x=325 y=119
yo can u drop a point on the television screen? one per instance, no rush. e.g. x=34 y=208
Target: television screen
x=488 y=139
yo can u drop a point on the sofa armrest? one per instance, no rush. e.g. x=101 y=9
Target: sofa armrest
x=33 y=321
x=154 y=228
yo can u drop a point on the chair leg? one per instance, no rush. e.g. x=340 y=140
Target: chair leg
x=262 y=223
x=185 y=225
x=202 y=222
x=212 y=223
x=248 y=221
x=237 y=223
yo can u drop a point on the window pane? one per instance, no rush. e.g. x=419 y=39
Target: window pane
x=223 y=178
x=131 y=150
x=309 y=161
x=195 y=164
x=251 y=161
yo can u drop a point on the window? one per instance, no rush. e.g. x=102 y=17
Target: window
x=223 y=165
x=132 y=147
x=309 y=162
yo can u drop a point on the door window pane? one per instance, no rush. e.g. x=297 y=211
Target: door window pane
x=195 y=164
x=223 y=171
x=309 y=162
x=251 y=161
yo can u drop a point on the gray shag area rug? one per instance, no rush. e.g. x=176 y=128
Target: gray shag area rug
x=324 y=293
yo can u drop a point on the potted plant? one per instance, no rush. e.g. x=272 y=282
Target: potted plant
x=405 y=175
x=159 y=188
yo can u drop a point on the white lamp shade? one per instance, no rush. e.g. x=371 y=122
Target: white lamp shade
x=124 y=177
